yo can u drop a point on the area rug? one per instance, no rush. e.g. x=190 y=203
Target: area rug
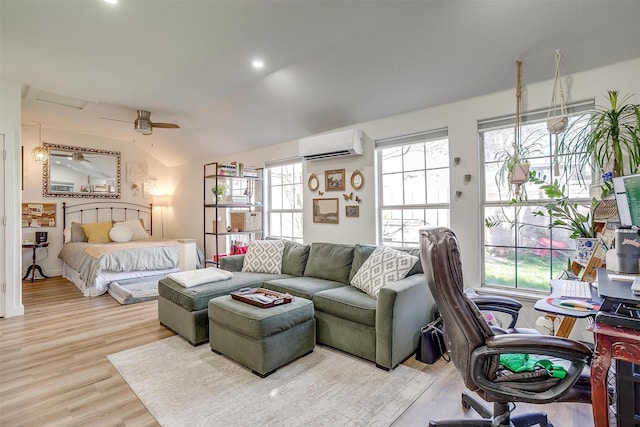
x=183 y=385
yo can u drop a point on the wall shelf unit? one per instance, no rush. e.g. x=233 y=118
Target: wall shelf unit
x=233 y=214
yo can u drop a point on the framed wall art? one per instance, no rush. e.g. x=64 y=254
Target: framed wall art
x=325 y=211
x=352 y=211
x=334 y=180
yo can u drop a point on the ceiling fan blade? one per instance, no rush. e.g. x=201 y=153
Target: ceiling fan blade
x=165 y=125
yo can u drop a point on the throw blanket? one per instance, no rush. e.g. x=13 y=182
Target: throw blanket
x=198 y=277
x=98 y=250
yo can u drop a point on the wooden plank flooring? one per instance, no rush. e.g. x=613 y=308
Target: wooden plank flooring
x=54 y=370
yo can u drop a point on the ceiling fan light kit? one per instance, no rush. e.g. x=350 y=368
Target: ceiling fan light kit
x=144 y=125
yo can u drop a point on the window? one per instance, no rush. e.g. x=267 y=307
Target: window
x=525 y=253
x=413 y=177
x=284 y=209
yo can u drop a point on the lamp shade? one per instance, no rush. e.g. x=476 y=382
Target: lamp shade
x=39 y=154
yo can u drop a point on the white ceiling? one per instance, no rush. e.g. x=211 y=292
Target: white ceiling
x=328 y=63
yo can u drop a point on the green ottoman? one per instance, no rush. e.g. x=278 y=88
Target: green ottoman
x=262 y=339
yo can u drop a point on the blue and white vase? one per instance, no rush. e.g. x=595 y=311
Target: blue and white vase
x=584 y=248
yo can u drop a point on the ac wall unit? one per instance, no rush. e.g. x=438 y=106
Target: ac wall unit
x=334 y=144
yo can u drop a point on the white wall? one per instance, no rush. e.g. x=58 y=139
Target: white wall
x=459 y=117
x=11 y=299
x=48 y=258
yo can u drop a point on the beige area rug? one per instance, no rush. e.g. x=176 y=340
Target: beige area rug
x=186 y=386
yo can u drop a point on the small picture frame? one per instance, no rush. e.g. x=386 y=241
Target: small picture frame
x=357 y=180
x=313 y=182
x=325 y=211
x=352 y=211
x=334 y=180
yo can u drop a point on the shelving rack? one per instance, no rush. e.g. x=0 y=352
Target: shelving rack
x=243 y=193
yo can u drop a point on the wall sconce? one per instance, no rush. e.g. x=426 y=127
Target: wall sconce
x=458 y=194
x=161 y=201
x=467 y=177
x=456 y=160
x=39 y=153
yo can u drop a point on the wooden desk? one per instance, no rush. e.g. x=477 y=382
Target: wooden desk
x=611 y=342
x=33 y=267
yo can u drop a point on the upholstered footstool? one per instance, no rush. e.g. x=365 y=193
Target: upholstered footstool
x=262 y=339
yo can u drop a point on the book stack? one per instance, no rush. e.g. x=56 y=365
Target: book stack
x=227 y=170
x=250 y=172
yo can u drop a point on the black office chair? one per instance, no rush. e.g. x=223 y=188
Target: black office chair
x=475 y=347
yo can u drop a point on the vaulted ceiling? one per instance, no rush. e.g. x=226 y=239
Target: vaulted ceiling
x=87 y=66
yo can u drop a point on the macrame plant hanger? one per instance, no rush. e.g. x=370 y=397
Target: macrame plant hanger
x=557 y=115
x=517 y=131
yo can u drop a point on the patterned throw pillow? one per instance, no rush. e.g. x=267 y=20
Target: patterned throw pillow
x=385 y=265
x=264 y=256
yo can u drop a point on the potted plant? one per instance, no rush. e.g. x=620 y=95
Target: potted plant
x=566 y=214
x=218 y=192
x=514 y=166
x=609 y=140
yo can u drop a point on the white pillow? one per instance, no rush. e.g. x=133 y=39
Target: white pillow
x=137 y=230
x=67 y=234
x=264 y=256
x=384 y=265
x=120 y=233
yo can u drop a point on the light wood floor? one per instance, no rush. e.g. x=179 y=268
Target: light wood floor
x=54 y=370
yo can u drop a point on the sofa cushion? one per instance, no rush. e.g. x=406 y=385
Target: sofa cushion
x=330 y=261
x=304 y=287
x=264 y=256
x=295 y=258
x=384 y=265
x=197 y=297
x=362 y=252
x=347 y=302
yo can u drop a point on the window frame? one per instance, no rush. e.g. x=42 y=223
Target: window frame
x=529 y=118
x=268 y=208
x=402 y=141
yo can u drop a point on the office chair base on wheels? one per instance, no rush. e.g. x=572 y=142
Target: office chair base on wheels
x=501 y=416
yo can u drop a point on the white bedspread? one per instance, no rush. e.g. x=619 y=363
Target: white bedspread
x=198 y=277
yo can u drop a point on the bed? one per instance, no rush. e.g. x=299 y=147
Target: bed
x=91 y=261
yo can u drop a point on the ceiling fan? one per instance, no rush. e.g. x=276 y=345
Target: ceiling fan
x=144 y=125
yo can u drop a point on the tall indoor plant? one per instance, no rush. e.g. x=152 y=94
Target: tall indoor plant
x=609 y=140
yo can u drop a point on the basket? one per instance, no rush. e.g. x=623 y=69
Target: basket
x=246 y=221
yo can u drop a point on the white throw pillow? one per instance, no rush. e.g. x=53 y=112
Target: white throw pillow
x=137 y=230
x=120 y=233
x=384 y=265
x=264 y=256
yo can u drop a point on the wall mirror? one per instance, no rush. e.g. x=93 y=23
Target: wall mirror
x=81 y=172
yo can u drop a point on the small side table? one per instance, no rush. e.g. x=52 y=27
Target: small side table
x=33 y=267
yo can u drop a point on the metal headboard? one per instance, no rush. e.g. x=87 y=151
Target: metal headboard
x=106 y=211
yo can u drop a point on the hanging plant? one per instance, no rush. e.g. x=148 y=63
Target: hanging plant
x=557 y=118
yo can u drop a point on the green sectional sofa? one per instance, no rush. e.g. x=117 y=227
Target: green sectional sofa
x=383 y=330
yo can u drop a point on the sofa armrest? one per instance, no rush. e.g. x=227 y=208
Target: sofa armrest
x=232 y=262
x=404 y=307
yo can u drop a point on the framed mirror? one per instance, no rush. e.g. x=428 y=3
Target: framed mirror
x=357 y=180
x=81 y=172
x=313 y=182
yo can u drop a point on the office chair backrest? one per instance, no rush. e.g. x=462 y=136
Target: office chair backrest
x=465 y=328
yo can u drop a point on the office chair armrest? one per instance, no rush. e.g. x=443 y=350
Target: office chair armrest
x=496 y=303
x=577 y=354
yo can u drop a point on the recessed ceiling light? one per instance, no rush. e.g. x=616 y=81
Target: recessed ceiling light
x=111 y=1
x=257 y=63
